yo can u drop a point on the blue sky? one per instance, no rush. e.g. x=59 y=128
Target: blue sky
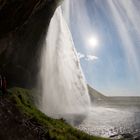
x=113 y=66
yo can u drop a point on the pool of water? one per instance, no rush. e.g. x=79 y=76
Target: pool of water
x=112 y=122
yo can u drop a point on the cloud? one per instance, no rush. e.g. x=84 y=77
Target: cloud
x=91 y=57
x=87 y=57
x=80 y=55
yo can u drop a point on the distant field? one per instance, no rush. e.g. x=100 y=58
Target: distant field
x=124 y=100
x=100 y=99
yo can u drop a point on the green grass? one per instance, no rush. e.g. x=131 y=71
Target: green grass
x=55 y=129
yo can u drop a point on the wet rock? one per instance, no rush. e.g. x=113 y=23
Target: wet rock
x=116 y=136
x=127 y=135
x=137 y=138
x=23 y=26
x=14 y=125
x=14 y=13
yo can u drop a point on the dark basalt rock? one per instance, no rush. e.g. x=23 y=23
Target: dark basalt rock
x=23 y=25
x=127 y=135
x=15 y=125
x=137 y=138
x=14 y=13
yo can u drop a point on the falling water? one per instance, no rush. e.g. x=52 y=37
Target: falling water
x=64 y=88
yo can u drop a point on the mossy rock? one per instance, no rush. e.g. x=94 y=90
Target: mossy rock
x=54 y=129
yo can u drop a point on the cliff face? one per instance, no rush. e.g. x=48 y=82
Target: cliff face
x=22 y=28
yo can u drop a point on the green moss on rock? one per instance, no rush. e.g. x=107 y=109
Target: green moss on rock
x=54 y=129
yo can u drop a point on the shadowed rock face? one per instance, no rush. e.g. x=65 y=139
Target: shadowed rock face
x=23 y=25
x=13 y=13
x=16 y=126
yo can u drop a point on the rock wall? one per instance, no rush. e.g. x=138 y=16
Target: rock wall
x=23 y=26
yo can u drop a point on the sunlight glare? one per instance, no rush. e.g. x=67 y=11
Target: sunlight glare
x=93 y=42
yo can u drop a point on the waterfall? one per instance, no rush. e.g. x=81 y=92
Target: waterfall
x=64 y=90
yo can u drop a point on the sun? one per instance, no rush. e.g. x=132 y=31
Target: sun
x=93 y=42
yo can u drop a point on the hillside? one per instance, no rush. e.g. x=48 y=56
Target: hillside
x=96 y=96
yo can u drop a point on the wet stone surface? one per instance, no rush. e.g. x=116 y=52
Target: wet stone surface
x=15 y=125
